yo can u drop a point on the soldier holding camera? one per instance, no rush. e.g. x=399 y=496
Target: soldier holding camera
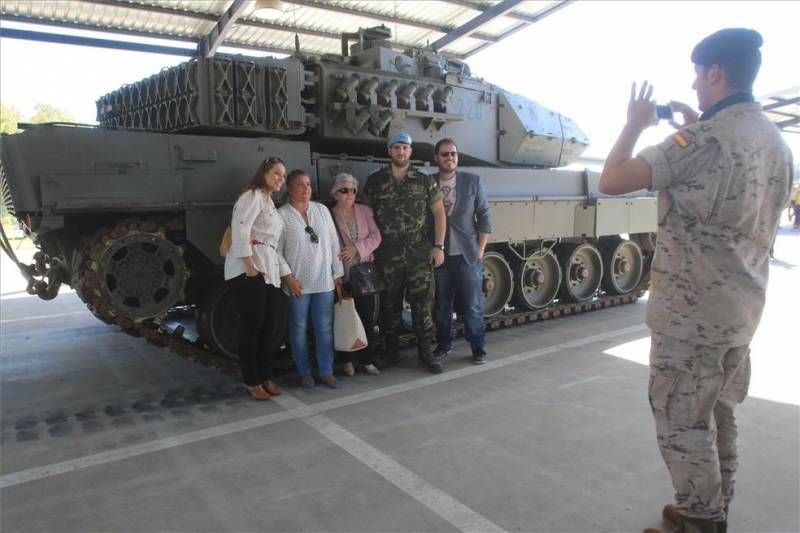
x=722 y=182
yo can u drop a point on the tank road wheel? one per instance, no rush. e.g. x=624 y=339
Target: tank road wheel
x=131 y=272
x=497 y=283
x=218 y=321
x=537 y=281
x=622 y=266
x=582 y=269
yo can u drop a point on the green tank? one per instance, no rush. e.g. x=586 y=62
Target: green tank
x=130 y=212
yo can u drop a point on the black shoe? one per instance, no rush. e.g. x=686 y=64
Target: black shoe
x=478 y=356
x=432 y=362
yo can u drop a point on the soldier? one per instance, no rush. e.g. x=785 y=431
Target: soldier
x=469 y=224
x=401 y=196
x=722 y=181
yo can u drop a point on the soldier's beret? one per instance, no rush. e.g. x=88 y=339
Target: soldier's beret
x=401 y=137
x=725 y=45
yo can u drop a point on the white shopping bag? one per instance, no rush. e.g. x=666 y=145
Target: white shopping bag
x=348 y=331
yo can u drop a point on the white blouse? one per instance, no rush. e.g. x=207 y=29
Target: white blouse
x=256 y=229
x=315 y=265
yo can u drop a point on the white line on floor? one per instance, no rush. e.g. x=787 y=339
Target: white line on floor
x=40 y=317
x=72 y=465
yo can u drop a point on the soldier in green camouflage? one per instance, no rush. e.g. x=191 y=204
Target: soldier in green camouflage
x=722 y=182
x=401 y=197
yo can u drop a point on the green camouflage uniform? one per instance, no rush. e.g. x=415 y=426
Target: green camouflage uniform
x=401 y=212
x=722 y=184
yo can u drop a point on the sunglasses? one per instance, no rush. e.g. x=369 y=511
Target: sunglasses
x=312 y=234
x=347 y=190
x=445 y=154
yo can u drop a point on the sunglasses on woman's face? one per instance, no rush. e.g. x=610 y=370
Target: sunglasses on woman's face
x=347 y=190
x=312 y=234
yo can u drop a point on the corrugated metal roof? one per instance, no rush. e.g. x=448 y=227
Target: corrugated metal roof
x=783 y=108
x=414 y=23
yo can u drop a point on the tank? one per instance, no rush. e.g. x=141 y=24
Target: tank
x=130 y=213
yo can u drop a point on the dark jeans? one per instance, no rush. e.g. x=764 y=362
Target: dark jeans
x=262 y=327
x=455 y=276
x=365 y=307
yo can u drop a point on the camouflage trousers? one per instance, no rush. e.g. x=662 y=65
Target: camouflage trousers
x=406 y=271
x=694 y=390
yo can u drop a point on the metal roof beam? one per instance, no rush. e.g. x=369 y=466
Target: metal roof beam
x=478 y=7
x=316 y=4
x=60 y=38
x=464 y=30
x=208 y=45
x=781 y=102
x=10 y=33
x=549 y=11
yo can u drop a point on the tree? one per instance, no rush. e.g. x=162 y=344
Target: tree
x=9 y=116
x=48 y=113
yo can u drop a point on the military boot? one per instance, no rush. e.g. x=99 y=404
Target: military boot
x=432 y=361
x=673 y=517
x=686 y=524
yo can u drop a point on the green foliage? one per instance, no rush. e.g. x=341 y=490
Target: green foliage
x=48 y=113
x=9 y=116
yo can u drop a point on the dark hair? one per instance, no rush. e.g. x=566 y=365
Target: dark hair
x=742 y=71
x=257 y=181
x=446 y=140
x=294 y=174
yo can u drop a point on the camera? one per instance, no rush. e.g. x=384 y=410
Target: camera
x=663 y=112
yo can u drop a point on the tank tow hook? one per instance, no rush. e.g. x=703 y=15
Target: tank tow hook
x=45 y=275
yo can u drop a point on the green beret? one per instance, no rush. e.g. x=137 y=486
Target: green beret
x=725 y=45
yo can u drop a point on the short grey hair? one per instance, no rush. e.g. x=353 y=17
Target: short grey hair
x=341 y=180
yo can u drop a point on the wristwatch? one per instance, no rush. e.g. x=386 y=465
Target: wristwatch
x=439 y=246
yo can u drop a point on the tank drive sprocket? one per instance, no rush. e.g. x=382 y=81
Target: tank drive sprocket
x=131 y=271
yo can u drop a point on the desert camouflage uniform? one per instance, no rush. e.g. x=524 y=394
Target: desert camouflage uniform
x=401 y=212
x=722 y=183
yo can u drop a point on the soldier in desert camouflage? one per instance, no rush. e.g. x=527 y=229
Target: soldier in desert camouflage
x=722 y=181
x=402 y=197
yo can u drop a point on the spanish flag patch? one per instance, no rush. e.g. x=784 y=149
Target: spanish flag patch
x=680 y=140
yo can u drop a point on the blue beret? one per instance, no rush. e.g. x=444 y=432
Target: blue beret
x=726 y=45
x=401 y=137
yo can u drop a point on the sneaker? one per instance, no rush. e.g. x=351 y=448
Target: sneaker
x=433 y=363
x=349 y=369
x=307 y=382
x=371 y=369
x=478 y=356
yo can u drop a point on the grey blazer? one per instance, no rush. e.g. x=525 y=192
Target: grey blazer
x=471 y=214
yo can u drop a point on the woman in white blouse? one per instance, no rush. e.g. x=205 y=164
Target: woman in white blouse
x=311 y=248
x=253 y=267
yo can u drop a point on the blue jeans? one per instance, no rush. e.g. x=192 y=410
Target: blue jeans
x=455 y=276
x=320 y=306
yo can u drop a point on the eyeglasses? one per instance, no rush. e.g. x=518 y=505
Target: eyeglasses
x=312 y=234
x=446 y=154
x=347 y=190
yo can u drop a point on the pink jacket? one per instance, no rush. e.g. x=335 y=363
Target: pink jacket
x=369 y=238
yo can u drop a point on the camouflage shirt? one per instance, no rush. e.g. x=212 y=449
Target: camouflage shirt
x=401 y=207
x=721 y=186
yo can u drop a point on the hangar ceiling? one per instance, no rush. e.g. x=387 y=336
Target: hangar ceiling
x=458 y=28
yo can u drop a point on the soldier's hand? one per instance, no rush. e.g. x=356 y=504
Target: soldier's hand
x=641 y=109
x=437 y=257
x=689 y=115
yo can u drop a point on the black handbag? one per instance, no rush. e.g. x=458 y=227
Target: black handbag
x=365 y=279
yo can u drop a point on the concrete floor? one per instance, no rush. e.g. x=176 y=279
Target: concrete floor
x=103 y=432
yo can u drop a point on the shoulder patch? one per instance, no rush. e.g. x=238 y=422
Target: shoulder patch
x=680 y=140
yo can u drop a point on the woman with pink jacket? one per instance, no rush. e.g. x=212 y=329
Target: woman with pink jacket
x=360 y=237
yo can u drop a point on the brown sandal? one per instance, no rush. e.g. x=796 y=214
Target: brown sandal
x=257 y=392
x=271 y=388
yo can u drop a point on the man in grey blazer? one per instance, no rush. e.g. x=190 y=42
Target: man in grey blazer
x=468 y=227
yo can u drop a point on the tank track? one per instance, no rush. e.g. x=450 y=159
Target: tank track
x=156 y=332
